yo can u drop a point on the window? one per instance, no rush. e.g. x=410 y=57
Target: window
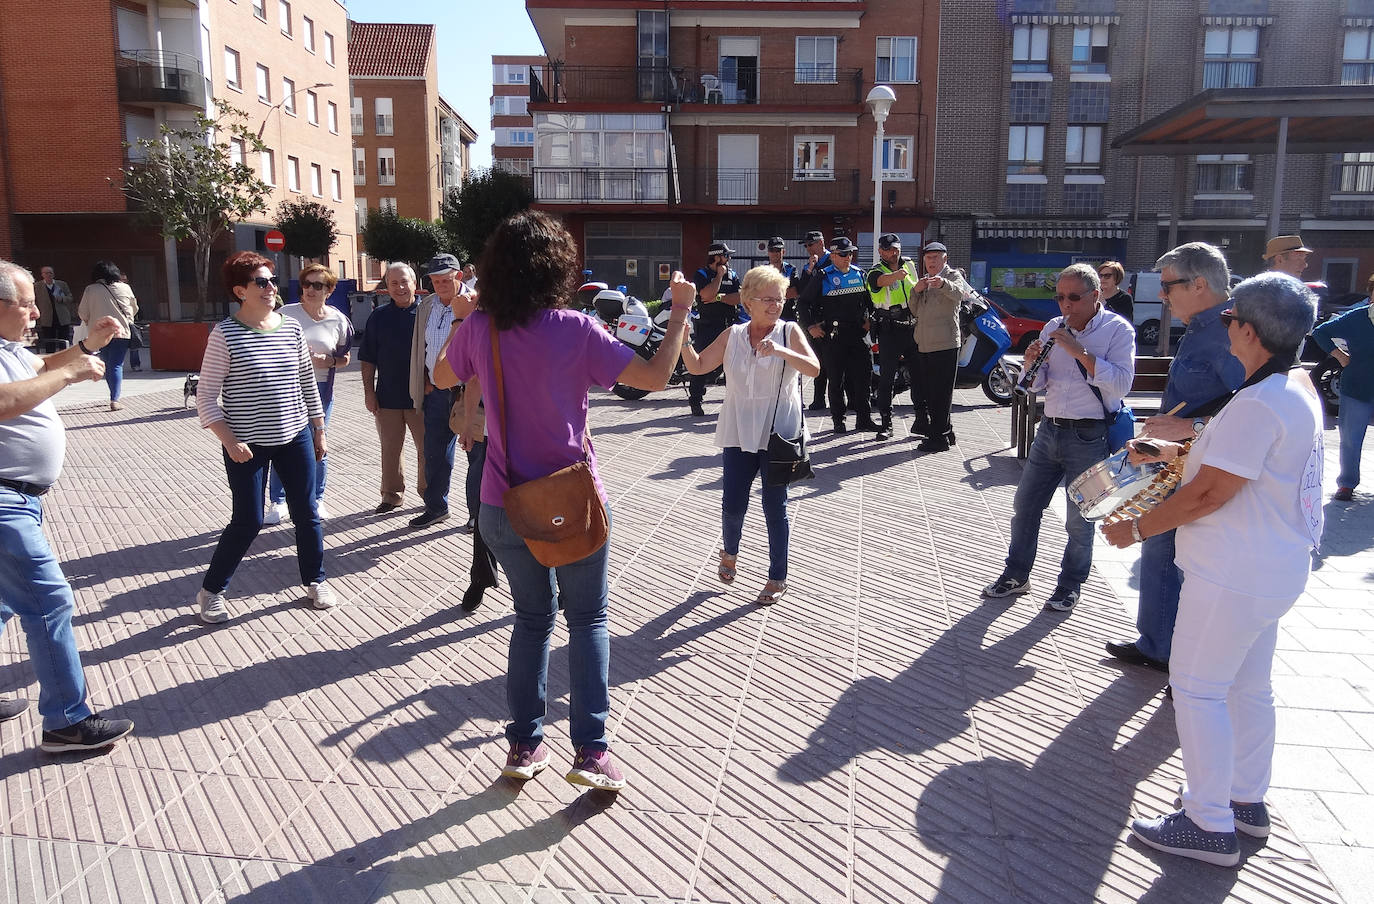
x=359 y=166
x=386 y=166
x=231 y=69
x=332 y=116
x=264 y=84
x=284 y=16
x=316 y=180
x=288 y=96
x=1083 y=149
x=1026 y=151
x=1357 y=66
x=236 y=149
x=360 y=212
x=896 y=60
x=336 y=185
x=260 y=9
x=514 y=137
x=329 y=48
x=1231 y=57
x=1030 y=48
x=308 y=33
x=1225 y=173
x=1089 y=49
x=510 y=105
x=312 y=108
x=519 y=166
x=268 y=165
x=356 y=114
x=815 y=60
x=387 y=204
x=384 y=121
x=813 y=157
x=1355 y=173
x=293 y=173
x=511 y=74
x=896 y=156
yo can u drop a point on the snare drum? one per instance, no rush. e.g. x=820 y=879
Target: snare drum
x=1107 y=484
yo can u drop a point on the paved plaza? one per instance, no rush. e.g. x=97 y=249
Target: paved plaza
x=880 y=735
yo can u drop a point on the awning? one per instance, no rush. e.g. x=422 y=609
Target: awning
x=1051 y=229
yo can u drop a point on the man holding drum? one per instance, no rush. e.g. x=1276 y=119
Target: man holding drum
x=1092 y=348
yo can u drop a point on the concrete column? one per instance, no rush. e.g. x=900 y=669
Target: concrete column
x=1280 y=159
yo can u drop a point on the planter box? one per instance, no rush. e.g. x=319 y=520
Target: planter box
x=177 y=346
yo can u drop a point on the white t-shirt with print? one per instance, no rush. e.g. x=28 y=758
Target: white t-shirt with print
x=1260 y=541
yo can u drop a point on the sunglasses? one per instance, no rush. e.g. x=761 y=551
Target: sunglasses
x=1072 y=296
x=1228 y=317
x=263 y=282
x=311 y=284
x=1168 y=284
x=842 y=254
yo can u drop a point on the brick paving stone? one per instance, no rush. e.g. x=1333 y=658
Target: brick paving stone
x=882 y=734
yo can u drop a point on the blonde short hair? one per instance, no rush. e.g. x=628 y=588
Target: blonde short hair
x=325 y=274
x=762 y=277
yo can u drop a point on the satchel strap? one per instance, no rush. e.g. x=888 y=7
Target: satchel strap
x=782 y=374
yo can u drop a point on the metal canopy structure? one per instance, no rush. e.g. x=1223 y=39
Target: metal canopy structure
x=1321 y=119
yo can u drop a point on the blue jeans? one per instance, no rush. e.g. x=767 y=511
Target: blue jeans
x=1353 y=423
x=113 y=356
x=276 y=493
x=1058 y=456
x=1160 y=583
x=438 y=449
x=739 y=469
x=32 y=587
x=295 y=462
x=582 y=588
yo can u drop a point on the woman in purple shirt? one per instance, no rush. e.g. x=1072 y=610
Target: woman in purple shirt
x=550 y=357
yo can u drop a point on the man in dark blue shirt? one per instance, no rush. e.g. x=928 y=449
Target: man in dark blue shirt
x=717 y=308
x=385 y=355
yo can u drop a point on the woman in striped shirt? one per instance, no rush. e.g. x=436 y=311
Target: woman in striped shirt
x=258 y=396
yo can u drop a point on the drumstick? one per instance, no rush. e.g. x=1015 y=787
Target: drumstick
x=1176 y=409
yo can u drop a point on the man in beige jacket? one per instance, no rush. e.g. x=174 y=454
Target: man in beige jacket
x=934 y=304
x=56 y=307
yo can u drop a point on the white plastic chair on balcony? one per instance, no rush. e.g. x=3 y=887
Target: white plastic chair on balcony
x=710 y=87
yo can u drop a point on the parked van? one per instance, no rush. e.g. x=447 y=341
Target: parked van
x=1144 y=288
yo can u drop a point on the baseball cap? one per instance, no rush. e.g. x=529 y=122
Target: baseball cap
x=776 y=243
x=889 y=240
x=841 y=243
x=441 y=263
x=719 y=248
x=813 y=236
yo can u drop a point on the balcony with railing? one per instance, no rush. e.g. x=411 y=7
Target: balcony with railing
x=1230 y=74
x=156 y=77
x=747 y=86
x=780 y=188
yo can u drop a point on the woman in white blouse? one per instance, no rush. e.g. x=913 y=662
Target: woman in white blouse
x=762 y=360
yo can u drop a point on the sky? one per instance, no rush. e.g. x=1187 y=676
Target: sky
x=470 y=33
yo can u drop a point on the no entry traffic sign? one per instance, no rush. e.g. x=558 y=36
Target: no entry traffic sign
x=274 y=240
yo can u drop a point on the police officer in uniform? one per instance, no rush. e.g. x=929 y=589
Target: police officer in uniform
x=775 y=248
x=890 y=285
x=818 y=259
x=835 y=306
x=717 y=307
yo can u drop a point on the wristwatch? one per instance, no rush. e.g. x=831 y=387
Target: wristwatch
x=1198 y=424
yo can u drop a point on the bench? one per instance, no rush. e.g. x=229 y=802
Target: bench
x=1151 y=373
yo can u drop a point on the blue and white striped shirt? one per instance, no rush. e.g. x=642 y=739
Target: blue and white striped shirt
x=260 y=382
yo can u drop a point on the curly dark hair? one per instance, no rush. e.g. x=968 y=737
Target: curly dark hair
x=238 y=269
x=106 y=272
x=528 y=265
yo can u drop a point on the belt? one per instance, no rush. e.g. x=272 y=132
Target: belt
x=28 y=489
x=1076 y=421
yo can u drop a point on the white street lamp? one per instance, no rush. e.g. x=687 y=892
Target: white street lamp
x=881 y=99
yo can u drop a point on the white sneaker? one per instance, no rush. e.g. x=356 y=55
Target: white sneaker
x=321 y=510
x=275 y=514
x=321 y=597
x=213 y=608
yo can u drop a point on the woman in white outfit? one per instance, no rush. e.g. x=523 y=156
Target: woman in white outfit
x=762 y=360
x=1248 y=513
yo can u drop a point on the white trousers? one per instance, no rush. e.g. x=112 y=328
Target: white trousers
x=1219 y=666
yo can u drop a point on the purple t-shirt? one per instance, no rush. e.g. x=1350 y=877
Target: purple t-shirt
x=549 y=364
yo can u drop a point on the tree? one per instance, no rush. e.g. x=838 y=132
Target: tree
x=189 y=185
x=309 y=228
x=472 y=211
x=389 y=237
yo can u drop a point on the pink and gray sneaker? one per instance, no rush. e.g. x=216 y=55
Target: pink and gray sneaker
x=525 y=761
x=594 y=768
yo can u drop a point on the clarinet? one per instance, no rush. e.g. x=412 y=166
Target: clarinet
x=1024 y=386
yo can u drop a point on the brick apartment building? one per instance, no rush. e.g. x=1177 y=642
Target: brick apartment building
x=659 y=127
x=409 y=144
x=113 y=72
x=1032 y=93
x=512 y=125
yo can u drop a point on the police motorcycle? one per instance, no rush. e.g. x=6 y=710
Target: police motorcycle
x=982 y=357
x=627 y=318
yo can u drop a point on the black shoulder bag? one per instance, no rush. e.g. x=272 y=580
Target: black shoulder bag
x=788 y=460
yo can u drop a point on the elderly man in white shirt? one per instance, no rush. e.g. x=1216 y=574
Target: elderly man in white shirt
x=1093 y=347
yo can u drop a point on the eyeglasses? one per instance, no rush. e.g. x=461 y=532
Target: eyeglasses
x=770 y=300
x=1072 y=296
x=1228 y=317
x=311 y=284
x=1106 y=276
x=1168 y=284
x=20 y=304
x=263 y=282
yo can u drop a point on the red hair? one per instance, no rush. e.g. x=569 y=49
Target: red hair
x=238 y=269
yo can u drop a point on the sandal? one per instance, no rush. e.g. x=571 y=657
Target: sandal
x=771 y=593
x=726 y=571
